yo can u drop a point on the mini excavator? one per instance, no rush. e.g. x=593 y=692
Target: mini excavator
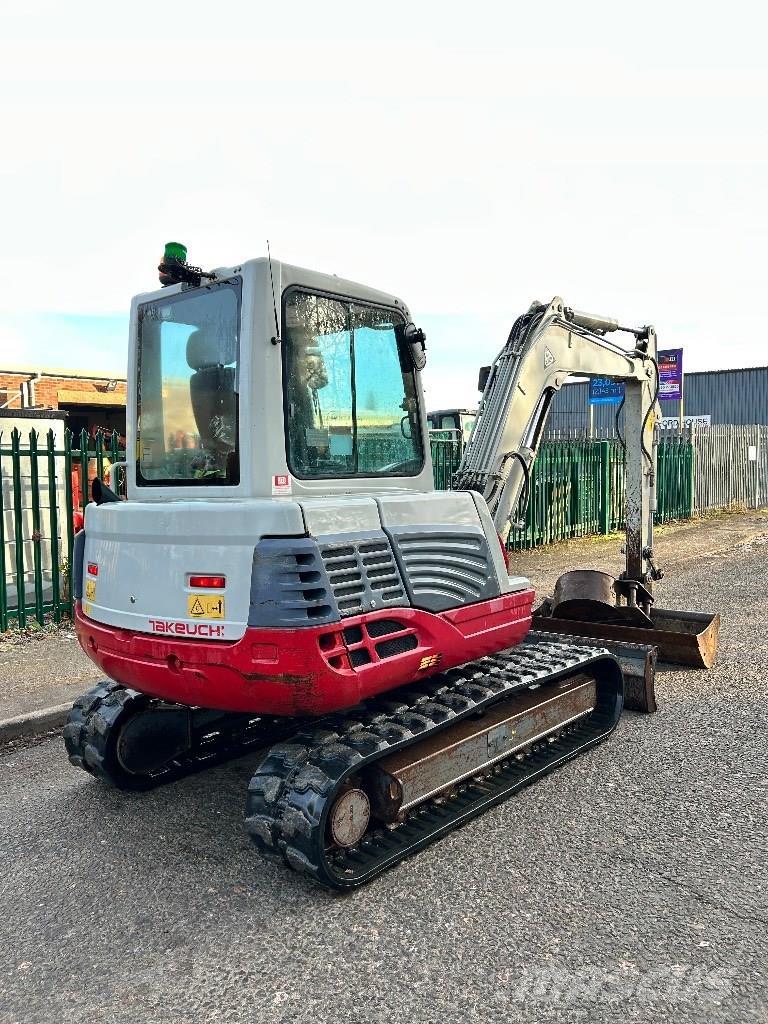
x=283 y=573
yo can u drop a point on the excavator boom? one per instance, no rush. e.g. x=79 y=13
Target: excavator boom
x=545 y=346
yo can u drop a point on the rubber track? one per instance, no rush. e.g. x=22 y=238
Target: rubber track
x=94 y=723
x=293 y=789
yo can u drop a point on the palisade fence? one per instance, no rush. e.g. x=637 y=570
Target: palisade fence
x=44 y=486
x=731 y=467
x=576 y=488
x=446 y=447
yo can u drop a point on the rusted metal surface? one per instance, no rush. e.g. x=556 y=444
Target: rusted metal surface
x=638 y=665
x=583 y=585
x=462 y=751
x=682 y=638
x=588 y=595
x=349 y=817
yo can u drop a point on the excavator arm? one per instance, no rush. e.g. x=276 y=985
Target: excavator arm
x=545 y=346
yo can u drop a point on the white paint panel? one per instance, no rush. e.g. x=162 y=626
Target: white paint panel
x=343 y=514
x=447 y=508
x=145 y=552
x=516 y=583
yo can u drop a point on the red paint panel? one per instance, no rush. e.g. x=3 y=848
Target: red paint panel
x=303 y=671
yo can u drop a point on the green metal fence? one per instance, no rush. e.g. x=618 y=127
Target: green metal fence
x=44 y=486
x=578 y=487
x=446 y=448
x=675 y=482
x=566 y=495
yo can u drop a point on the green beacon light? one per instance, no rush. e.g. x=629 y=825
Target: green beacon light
x=175 y=251
x=173 y=263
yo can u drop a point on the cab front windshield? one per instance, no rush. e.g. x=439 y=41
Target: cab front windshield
x=188 y=387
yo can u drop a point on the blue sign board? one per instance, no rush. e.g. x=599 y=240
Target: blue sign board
x=670 y=374
x=603 y=391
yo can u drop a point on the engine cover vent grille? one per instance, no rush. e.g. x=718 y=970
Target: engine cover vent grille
x=443 y=567
x=289 y=585
x=380 y=627
x=363 y=574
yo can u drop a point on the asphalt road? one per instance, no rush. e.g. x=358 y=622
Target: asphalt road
x=630 y=886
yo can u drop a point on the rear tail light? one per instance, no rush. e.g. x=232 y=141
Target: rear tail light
x=208 y=582
x=93 y=569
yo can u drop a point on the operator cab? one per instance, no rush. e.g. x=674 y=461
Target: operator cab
x=264 y=380
x=350 y=390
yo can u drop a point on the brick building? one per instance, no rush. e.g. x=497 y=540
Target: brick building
x=90 y=402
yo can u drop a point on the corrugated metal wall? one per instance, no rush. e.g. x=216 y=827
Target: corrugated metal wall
x=728 y=396
x=731 y=467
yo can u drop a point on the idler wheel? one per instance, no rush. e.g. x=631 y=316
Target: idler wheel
x=349 y=817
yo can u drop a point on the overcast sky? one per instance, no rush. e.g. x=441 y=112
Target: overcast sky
x=469 y=157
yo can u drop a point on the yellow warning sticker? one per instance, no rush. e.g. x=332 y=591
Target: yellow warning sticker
x=205 y=606
x=90 y=590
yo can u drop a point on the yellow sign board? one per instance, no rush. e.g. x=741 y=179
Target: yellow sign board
x=90 y=590
x=205 y=606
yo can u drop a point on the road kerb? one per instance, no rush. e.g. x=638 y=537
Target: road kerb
x=34 y=723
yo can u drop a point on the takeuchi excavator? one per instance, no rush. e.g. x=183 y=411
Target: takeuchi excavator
x=282 y=572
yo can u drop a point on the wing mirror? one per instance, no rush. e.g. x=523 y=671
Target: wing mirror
x=414 y=340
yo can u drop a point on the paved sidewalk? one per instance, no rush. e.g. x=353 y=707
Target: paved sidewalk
x=43 y=670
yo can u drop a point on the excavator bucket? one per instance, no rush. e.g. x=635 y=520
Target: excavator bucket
x=584 y=607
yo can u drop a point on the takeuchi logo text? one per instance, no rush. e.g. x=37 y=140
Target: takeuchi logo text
x=185 y=628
